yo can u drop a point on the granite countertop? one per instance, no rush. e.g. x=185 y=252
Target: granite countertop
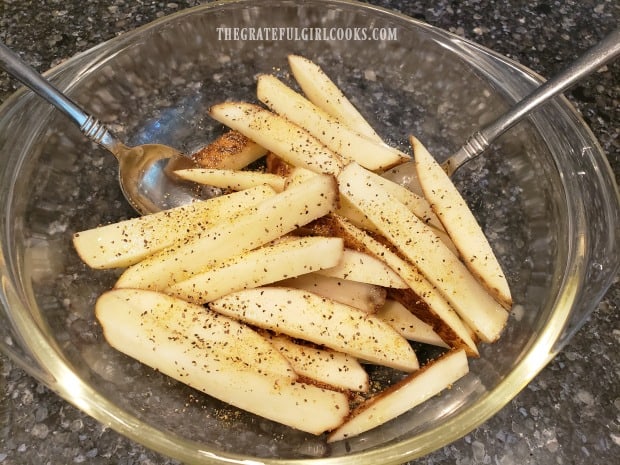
x=569 y=414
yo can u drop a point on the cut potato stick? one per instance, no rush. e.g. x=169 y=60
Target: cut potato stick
x=426 y=251
x=418 y=387
x=408 y=325
x=366 y=297
x=461 y=224
x=127 y=242
x=270 y=219
x=216 y=355
x=461 y=335
x=345 y=208
x=325 y=94
x=336 y=136
x=298 y=175
x=283 y=259
x=230 y=151
x=232 y=179
x=445 y=238
x=142 y=322
x=349 y=211
x=419 y=206
x=326 y=367
x=308 y=316
x=422 y=299
x=275 y=165
x=364 y=268
x=287 y=140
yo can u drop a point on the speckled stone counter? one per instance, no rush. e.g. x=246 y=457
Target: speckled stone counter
x=570 y=413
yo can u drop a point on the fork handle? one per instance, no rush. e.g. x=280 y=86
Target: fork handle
x=600 y=54
x=89 y=126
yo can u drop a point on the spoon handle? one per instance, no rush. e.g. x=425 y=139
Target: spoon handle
x=590 y=61
x=90 y=126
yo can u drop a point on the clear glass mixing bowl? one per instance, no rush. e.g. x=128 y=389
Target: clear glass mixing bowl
x=544 y=194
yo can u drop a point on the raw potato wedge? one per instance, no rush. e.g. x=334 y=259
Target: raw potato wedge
x=140 y=323
x=287 y=140
x=349 y=211
x=230 y=151
x=482 y=313
x=216 y=355
x=127 y=242
x=326 y=367
x=336 y=136
x=419 y=206
x=276 y=165
x=418 y=387
x=232 y=179
x=304 y=315
x=359 y=219
x=454 y=330
x=267 y=221
x=285 y=258
x=415 y=203
x=298 y=175
x=408 y=325
x=422 y=298
x=325 y=94
x=364 y=268
x=366 y=297
x=461 y=224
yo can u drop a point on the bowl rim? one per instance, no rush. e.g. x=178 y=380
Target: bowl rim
x=59 y=377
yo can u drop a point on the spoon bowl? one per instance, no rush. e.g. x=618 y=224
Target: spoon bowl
x=148 y=181
x=146 y=172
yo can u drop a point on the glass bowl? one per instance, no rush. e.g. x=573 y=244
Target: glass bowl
x=544 y=194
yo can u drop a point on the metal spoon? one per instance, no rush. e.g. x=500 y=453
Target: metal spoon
x=477 y=143
x=146 y=172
